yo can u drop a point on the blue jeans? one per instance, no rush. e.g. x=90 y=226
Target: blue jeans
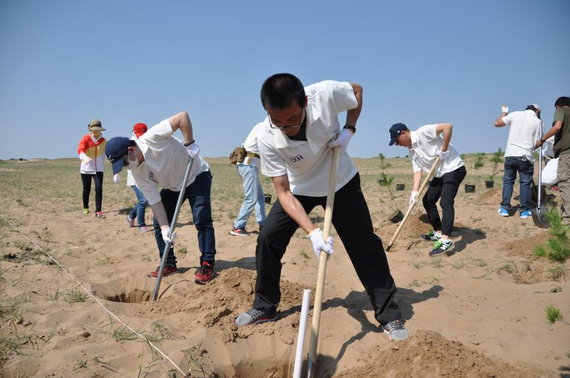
x=254 y=197
x=198 y=196
x=525 y=168
x=137 y=212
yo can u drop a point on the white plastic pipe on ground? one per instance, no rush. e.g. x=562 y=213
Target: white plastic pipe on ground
x=302 y=332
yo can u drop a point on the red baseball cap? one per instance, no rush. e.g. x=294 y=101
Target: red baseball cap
x=139 y=129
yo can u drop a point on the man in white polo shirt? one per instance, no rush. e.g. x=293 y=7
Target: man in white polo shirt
x=295 y=143
x=248 y=170
x=425 y=145
x=158 y=158
x=524 y=132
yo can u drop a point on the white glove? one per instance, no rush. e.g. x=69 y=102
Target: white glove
x=84 y=158
x=193 y=150
x=443 y=155
x=413 y=197
x=165 y=237
x=342 y=139
x=505 y=109
x=319 y=243
x=116 y=178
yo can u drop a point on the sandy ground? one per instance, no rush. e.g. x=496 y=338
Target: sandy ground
x=477 y=313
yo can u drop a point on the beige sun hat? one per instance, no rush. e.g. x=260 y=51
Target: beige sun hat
x=95 y=125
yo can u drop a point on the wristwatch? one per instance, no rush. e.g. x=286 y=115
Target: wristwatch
x=187 y=144
x=351 y=128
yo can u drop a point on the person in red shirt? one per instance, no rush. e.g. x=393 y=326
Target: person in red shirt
x=91 y=151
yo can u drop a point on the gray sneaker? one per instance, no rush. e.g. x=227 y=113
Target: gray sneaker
x=396 y=330
x=253 y=316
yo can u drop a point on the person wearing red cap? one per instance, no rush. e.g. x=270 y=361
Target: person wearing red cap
x=138 y=211
x=91 y=151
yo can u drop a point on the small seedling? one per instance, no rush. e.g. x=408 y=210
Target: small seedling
x=103 y=261
x=480 y=162
x=437 y=263
x=557 y=273
x=553 y=314
x=75 y=295
x=183 y=250
x=458 y=265
x=414 y=283
x=122 y=334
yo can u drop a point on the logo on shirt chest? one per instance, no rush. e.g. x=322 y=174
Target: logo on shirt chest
x=297 y=158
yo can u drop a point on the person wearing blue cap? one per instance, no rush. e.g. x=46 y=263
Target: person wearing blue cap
x=158 y=158
x=425 y=145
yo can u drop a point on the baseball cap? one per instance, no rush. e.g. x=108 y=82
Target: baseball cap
x=115 y=149
x=95 y=125
x=139 y=129
x=395 y=131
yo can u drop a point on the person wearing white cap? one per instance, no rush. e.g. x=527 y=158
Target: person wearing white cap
x=524 y=132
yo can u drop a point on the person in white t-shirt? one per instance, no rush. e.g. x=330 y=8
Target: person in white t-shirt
x=254 y=197
x=525 y=131
x=137 y=213
x=295 y=141
x=425 y=145
x=158 y=158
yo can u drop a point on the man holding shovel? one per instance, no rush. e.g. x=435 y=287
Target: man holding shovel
x=524 y=132
x=157 y=158
x=561 y=130
x=425 y=145
x=295 y=143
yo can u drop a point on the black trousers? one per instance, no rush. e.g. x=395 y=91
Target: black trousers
x=351 y=220
x=86 y=179
x=444 y=187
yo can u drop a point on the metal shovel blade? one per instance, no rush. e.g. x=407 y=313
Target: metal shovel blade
x=539 y=218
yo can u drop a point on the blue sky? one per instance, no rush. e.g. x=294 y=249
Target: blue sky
x=65 y=62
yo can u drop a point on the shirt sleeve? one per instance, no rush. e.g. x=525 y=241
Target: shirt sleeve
x=427 y=132
x=272 y=165
x=250 y=143
x=415 y=166
x=343 y=95
x=558 y=115
x=508 y=119
x=148 y=188
x=158 y=133
x=82 y=146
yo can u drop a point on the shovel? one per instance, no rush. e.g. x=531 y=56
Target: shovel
x=322 y=268
x=172 y=226
x=538 y=216
x=420 y=191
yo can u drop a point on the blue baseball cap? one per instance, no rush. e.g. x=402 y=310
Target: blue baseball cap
x=395 y=131
x=115 y=149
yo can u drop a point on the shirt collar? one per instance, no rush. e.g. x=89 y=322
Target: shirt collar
x=282 y=141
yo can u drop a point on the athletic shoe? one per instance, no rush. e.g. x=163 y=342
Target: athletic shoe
x=85 y=211
x=431 y=236
x=143 y=229
x=204 y=274
x=441 y=246
x=396 y=330
x=526 y=214
x=168 y=270
x=253 y=316
x=99 y=214
x=502 y=212
x=239 y=232
x=130 y=222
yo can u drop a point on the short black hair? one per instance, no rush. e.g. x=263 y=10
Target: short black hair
x=562 y=101
x=280 y=90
